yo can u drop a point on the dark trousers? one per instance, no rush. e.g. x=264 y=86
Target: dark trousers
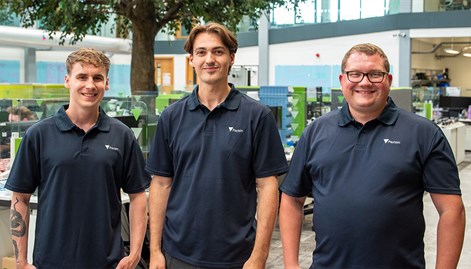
x=172 y=263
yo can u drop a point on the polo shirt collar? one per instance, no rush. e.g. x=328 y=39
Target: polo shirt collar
x=232 y=101
x=64 y=123
x=387 y=117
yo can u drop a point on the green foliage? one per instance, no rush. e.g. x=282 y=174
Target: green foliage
x=80 y=17
x=5 y=18
x=145 y=18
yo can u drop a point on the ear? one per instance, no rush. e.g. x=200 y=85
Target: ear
x=340 y=78
x=232 y=58
x=107 y=86
x=191 y=60
x=66 y=81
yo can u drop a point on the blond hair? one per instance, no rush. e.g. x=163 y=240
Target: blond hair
x=88 y=56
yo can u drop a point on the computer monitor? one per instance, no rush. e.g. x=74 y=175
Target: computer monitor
x=454 y=102
x=277 y=113
x=6 y=130
x=453 y=105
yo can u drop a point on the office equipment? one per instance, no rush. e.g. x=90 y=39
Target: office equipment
x=6 y=131
x=277 y=113
x=454 y=104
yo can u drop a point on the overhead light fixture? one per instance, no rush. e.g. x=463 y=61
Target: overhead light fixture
x=467 y=51
x=451 y=50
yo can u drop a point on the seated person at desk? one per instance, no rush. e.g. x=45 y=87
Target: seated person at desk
x=20 y=113
x=15 y=114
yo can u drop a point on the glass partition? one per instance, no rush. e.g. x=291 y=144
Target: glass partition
x=17 y=115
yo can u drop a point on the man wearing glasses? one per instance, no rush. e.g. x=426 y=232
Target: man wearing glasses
x=368 y=166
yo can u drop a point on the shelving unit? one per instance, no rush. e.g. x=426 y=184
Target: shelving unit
x=429 y=77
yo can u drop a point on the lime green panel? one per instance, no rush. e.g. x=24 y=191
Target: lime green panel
x=45 y=91
x=32 y=91
x=162 y=101
x=299 y=110
x=23 y=91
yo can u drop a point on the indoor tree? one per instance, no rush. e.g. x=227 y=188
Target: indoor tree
x=142 y=18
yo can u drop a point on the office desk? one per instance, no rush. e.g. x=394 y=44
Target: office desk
x=467 y=136
x=455 y=134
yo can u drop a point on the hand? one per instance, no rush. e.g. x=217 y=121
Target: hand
x=157 y=261
x=293 y=267
x=20 y=265
x=254 y=264
x=128 y=263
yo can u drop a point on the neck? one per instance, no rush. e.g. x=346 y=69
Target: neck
x=85 y=119
x=213 y=95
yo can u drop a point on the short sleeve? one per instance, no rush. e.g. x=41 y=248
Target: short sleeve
x=297 y=182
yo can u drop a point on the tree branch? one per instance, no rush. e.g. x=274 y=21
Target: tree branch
x=170 y=15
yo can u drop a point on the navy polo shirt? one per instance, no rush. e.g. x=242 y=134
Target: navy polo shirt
x=214 y=158
x=79 y=177
x=368 y=183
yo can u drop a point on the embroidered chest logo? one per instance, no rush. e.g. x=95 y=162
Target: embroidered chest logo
x=111 y=148
x=388 y=141
x=234 y=130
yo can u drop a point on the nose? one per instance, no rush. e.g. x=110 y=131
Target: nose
x=209 y=57
x=90 y=84
x=365 y=81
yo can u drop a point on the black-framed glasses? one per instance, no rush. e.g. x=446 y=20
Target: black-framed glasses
x=373 y=77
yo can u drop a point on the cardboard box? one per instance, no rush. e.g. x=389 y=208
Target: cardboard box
x=6 y=246
x=8 y=263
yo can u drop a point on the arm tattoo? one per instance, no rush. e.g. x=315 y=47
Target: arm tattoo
x=18 y=224
x=16 y=249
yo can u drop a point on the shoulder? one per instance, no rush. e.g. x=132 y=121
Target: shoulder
x=118 y=126
x=326 y=120
x=416 y=122
x=176 y=107
x=41 y=126
x=247 y=103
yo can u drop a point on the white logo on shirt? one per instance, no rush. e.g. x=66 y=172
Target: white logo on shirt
x=111 y=148
x=234 y=130
x=387 y=141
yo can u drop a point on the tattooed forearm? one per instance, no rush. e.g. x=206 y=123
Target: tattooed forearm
x=16 y=249
x=18 y=224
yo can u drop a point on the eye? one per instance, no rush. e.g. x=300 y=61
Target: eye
x=376 y=74
x=219 y=52
x=200 y=53
x=355 y=74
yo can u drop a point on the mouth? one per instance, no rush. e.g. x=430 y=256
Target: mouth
x=211 y=68
x=364 y=92
x=90 y=94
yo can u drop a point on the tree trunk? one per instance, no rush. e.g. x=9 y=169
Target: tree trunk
x=142 y=62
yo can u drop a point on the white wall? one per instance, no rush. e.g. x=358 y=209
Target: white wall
x=331 y=51
x=459 y=66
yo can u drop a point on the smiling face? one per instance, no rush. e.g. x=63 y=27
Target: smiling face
x=211 y=59
x=87 y=85
x=366 y=100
